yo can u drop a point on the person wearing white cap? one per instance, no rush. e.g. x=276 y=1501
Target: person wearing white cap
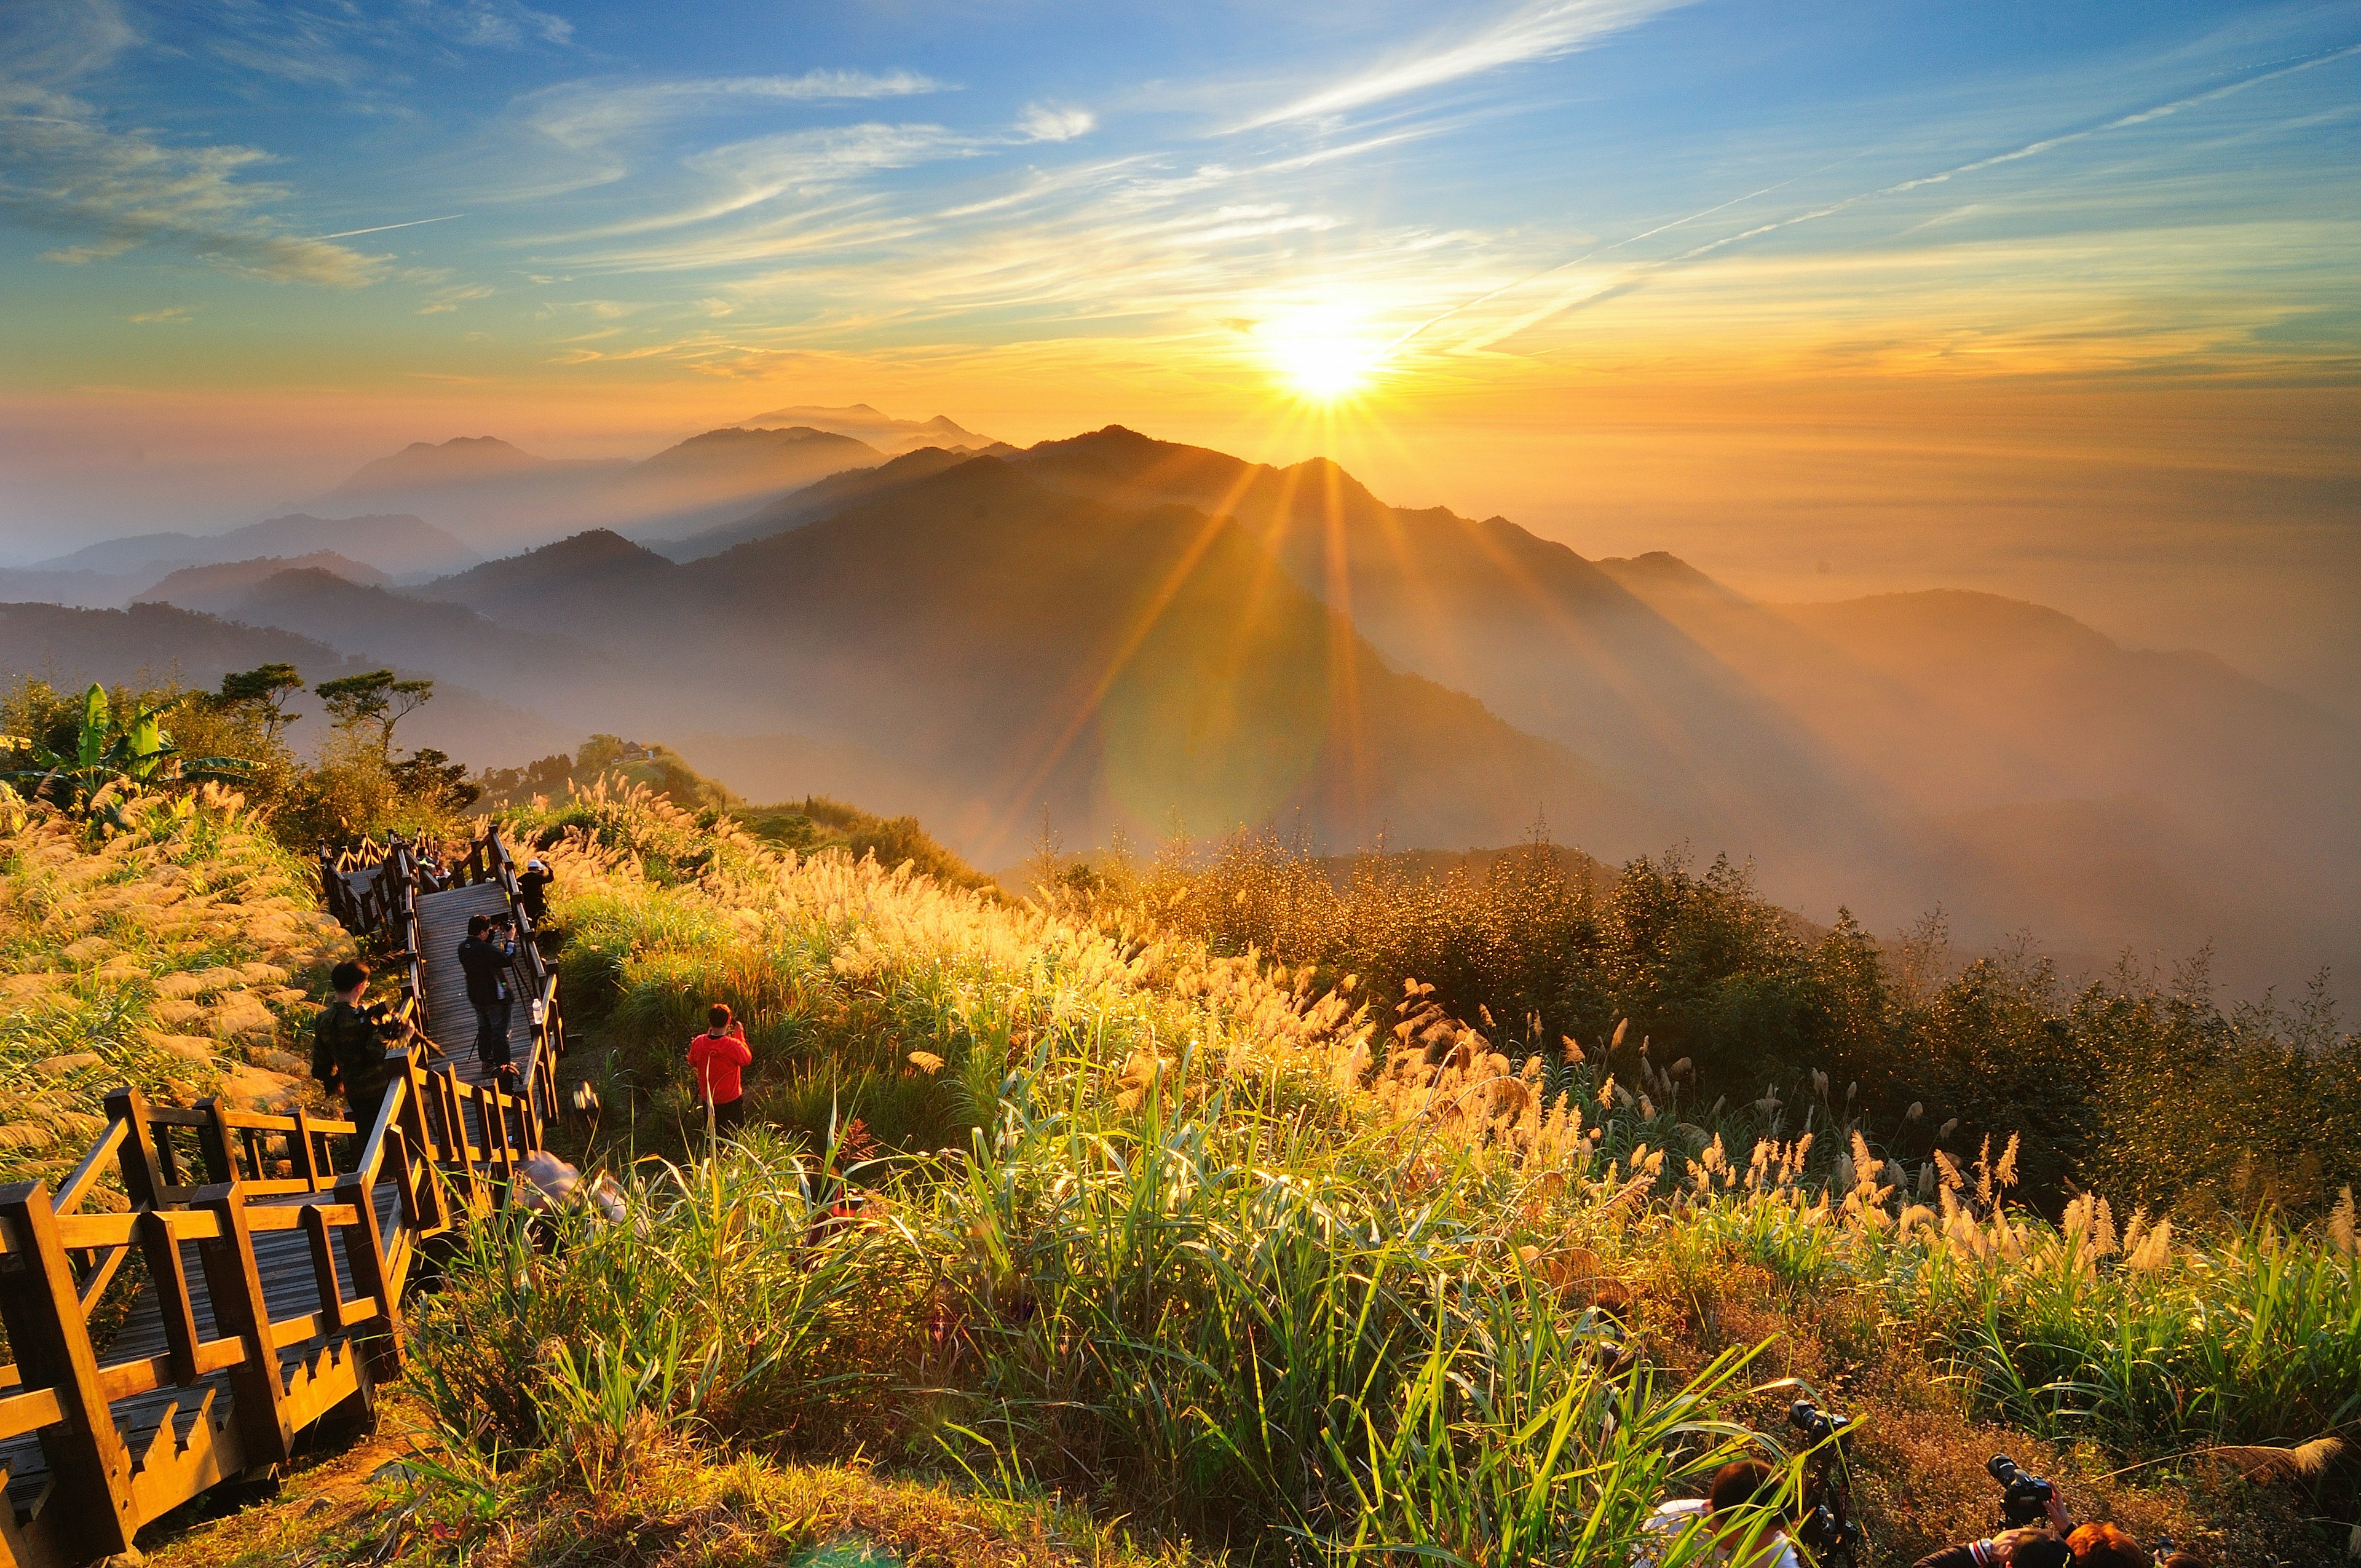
x=533 y=890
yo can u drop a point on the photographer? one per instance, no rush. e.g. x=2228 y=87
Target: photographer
x=1743 y=1514
x=485 y=957
x=348 y=1044
x=2034 y=1526
x=2033 y=1546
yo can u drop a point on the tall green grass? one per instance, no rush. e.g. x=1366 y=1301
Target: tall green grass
x=1221 y=1245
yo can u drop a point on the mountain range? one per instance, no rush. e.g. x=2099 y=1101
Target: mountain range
x=397 y=545
x=1128 y=633
x=504 y=497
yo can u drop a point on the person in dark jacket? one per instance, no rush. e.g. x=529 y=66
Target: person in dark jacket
x=348 y=1046
x=486 y=955
x=532 y=890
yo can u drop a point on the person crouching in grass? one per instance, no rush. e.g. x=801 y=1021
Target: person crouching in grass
x=717 y=1058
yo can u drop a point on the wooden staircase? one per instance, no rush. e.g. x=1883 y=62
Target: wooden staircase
x=275 y=1275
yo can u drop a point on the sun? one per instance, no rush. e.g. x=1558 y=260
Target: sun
x=1323 y=356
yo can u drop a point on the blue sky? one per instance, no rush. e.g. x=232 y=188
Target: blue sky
x=713 y=186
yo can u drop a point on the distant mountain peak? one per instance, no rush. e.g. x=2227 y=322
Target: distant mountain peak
x=863 y=422
x=209 y=587
x=1660 y=568
x=485 y=445
x=462 y=458
x=592 y=545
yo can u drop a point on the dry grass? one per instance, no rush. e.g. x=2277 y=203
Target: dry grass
x=181 y=957
x=386 y=1503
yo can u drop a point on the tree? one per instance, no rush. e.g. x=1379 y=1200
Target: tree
x=427 y=775
x=375 y=698
x=262 y=693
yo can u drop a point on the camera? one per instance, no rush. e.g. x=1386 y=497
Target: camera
x=378 y=1014
x=2023 y=1498
x=1813 y=1423
x=1826 y=1527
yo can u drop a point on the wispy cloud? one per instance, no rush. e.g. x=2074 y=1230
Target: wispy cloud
x=494 y=23
x=65 y=168
x=1588 y=292
x=350 y=46
x=170 y=313
x=1530 y=32
x=443 y=300
x=589 y=115
x=1041 y=123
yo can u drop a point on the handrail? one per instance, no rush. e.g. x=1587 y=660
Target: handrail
x=222 y=1180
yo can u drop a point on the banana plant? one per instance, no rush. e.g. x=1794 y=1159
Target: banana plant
x=110 y=763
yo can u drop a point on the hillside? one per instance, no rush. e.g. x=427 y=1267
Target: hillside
x=504 y=498
x=1536 y=632
x=456 y=461
x=198 y=586
x=183 y=956
x=598 y=572
x=396 y=544
x=158 y=643
x=565 y=682
x=1347 y=1218
x=820 y=499
x=1332 y=1229
x=975 y=642
x=1117 y=665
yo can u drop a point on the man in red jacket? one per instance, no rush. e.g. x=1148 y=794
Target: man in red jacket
x=715 y=1057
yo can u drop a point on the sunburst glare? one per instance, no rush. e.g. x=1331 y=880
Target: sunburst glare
x=1323 y=354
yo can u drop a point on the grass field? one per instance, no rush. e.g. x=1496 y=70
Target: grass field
x=181 y=956
x=1068 y=1237
x=1064 y=1211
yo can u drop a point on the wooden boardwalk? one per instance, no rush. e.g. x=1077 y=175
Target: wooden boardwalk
x=275 y=1269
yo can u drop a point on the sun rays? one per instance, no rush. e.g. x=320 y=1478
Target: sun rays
x=1323 y=354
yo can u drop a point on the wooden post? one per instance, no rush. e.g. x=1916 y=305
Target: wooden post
x=421 y=1214
x=365 y=1256
x=51 y=1340
x=171 y=1278
x=306 y=1151
x=217 y=1142
x=413 y=1113
x=143 y=1177
x=241 y=1309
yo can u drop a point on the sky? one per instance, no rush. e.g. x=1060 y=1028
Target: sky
x=2057 y=300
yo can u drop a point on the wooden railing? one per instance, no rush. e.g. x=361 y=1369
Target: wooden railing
x=261 y=1200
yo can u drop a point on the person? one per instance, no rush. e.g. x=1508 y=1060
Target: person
x=2028 y=1546
x=485 y=956
x=2103 y=1545
x=717 y=1057
x=532 y=890
x=348 y=1047
x=2033 y=1546
x=1742 y=1512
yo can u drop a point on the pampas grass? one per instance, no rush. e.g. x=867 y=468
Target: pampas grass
x=159 y=957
